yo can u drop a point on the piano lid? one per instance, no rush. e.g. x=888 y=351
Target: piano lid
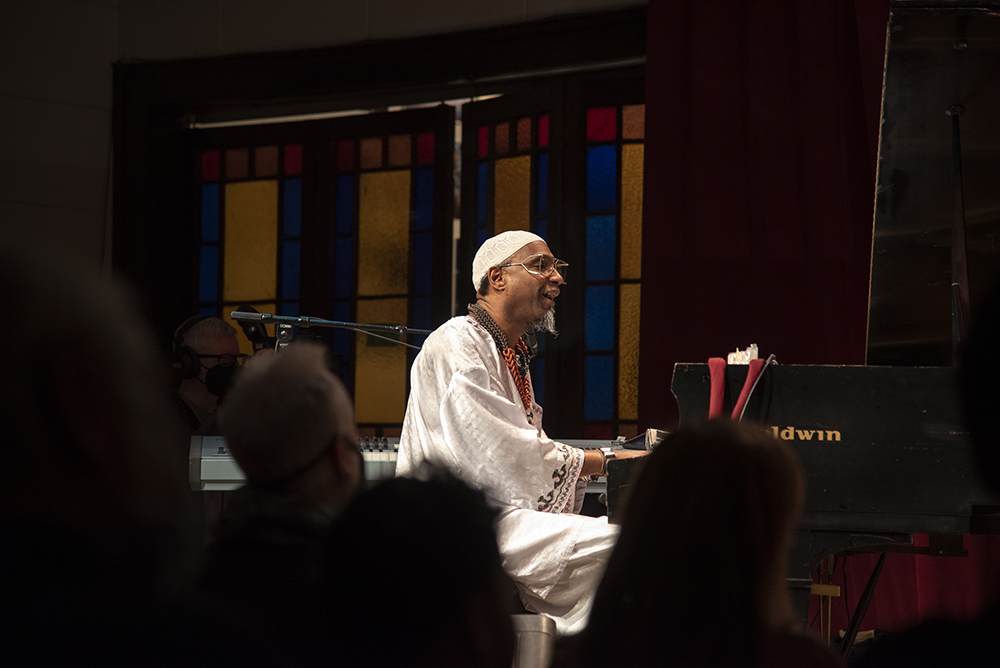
x=937 y=57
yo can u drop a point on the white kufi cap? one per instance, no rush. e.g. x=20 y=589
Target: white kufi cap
x=497 y=249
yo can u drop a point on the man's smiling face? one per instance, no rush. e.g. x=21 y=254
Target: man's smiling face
x=530 y=296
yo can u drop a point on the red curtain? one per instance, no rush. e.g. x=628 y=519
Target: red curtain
x=913 y=589
x=761 y=144
x=762 y=126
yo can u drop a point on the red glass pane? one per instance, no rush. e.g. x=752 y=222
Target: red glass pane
x=543 y=130
x=265 y=161
x=293 y=159
x=237 y=163
x=483 y=139
x=601 y=123
x=425 y=148
x=345 y=155
x=501 y=142
x=598 y=432
x=209 y=165
x=524 y=134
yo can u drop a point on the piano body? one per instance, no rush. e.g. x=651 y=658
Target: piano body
x=884 y=453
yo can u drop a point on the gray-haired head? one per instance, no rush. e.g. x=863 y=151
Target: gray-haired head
x=285 y=412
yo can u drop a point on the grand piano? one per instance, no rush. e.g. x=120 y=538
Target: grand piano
x=884 y=452
x=883 y=445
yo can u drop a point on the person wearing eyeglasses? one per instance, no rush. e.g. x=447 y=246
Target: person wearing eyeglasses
x=472 y=410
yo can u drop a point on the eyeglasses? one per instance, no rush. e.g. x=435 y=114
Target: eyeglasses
x=225 y=360
x=540 y=265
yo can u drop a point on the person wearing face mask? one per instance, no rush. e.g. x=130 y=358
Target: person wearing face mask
x=207 y=356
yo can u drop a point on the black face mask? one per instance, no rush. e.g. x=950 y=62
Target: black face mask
x=220 y=378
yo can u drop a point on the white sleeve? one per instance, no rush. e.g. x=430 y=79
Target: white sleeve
x=497 y=450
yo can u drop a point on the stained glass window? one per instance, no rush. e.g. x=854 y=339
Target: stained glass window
x=512 y=191
x=384 y=203
x=613 y=213
x=250 y=219
x=341 y=219
x=588 y=380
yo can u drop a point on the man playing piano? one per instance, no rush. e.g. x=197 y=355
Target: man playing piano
x=472 y=410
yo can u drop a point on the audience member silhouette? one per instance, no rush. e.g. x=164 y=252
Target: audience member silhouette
x=414 y=579
x=942 y=642
x=98 y=540
x=698 y=575
x=206 y=356
x=289 y=424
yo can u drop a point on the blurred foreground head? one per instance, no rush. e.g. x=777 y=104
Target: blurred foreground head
x=289 y=423
x=448 y=603
x=701 y=561
x=85 y=436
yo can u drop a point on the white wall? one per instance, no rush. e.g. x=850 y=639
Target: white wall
x=56 y=79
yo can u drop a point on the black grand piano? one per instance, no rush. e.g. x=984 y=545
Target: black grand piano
x=883 y=446
x=884 y=452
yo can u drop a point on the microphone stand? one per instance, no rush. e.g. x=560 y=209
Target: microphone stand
x=284 y=324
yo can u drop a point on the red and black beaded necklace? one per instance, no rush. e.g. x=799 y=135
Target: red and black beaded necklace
x=517 y=358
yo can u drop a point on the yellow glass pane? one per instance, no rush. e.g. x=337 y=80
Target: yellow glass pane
x=512 y=194
x=628 y=352
x=631 y=234
x=384 y=233
x=245 y=346
x=399 y=150
x=250 y=251
x=380 y=375
x=634 y=121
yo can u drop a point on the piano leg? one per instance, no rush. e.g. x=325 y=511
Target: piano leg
x=859 y=612
x=811 y=546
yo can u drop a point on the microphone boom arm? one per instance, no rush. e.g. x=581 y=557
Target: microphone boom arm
x=306 y=321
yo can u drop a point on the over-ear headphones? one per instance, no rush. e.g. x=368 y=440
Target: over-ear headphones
x=185 y=357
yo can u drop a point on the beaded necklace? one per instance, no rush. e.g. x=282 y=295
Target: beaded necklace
x=516 y=358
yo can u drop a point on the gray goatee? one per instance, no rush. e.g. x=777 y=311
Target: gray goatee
x=547 y=323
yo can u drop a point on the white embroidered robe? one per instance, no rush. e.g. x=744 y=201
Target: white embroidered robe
x=465 y=413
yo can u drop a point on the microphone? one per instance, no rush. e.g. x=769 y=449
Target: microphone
x=254 y=330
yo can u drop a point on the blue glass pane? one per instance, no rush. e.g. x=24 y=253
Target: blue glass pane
x=293 y=207
x=599 y=319
x=291 y=252
x=602 y=177
x=422 y=313
x=343 y=266
x=542 y=229
x=598 y=382
x=209 y=311
x=422 y=263
x=543 y=185
x=481 y=193
x=425 y=199
x=210 y=212
x=342 y=337
x=538 y=379
x=481 y=237
x=542 y=338
x=601 y=248
x=289 y=309
x=345 y=204
x=208 y=274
